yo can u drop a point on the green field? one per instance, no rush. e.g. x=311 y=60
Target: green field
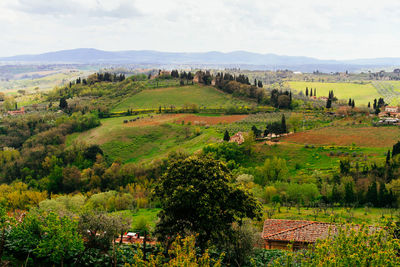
x=305 y=161
x=204 y=96
x=136 y=143
x=44 y=83
x=333 y=215
x=390 y=90
x=361 y=93
x=149 y=215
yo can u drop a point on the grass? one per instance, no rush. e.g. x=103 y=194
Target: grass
x=333 y=215
x=138 y=143
x=302 y=161
x=390 y=90
x=149 y=215
x=44 y=83
x=178 y=96
x=361 y=93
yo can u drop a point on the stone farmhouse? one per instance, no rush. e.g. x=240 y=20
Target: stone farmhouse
x=237 y=138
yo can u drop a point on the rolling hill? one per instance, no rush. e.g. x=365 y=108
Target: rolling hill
x=243 y=59
x=179 y=96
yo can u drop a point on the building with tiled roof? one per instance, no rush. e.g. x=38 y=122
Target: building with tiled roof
x=278 y=234
x=237 y=138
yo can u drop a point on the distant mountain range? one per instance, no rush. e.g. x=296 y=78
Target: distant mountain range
x=263 y=61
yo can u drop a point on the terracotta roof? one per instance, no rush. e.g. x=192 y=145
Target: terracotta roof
x=299 y=231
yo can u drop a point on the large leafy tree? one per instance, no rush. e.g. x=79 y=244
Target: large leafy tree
x=197 y=198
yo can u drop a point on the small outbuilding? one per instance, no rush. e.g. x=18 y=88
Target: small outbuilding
x=278 y=234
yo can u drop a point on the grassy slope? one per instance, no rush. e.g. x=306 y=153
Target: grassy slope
x=133 y=144
x=178 y=96
x=304 y=161
x=361 y=93
x=149 y=215
x=44 y=83
x=390 y=90
x=338 y=215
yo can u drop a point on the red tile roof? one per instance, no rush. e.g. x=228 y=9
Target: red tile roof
x=298 y=231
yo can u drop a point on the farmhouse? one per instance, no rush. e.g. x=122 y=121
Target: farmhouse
x=391 y=109
x=16 y=112
x=237 y=138
x=278 y=234
x=389 y=121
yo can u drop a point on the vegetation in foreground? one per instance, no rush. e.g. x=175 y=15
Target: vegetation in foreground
x=81 y=175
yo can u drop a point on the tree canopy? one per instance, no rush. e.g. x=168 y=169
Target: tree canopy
x=196 y=197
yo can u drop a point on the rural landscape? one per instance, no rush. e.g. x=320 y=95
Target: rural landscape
x=129 y=156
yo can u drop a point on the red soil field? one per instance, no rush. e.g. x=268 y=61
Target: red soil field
x=346 y=136
x=206 y=120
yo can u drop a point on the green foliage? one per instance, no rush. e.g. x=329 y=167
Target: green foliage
x=264 y=257
x=302 y=193
x=195 y=192
x=351 y=246
x=46 y=236
x=60 y=239
x=274 y=169
x=182 y=252
x=225 y=151
x=99 y=229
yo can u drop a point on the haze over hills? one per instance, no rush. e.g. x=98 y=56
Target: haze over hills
x=264 y=61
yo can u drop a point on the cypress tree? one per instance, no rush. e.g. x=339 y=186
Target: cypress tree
x=306 y=91
x=226 y=136
x=315 y=91
x=372 y=194
x=388 y=157
x=335 y=196
x=369 y=104
x=352 y=103
x=349 y=196
x=63 y=103
x=375 y=104
x=283 y=124
x=349 y=102
x=311 y=92
x=383 y=196
x=396 y=149
x=328 y=103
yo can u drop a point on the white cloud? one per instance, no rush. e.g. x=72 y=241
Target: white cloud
x=325 y=29
x=95 y=8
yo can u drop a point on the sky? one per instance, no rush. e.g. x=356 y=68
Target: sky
x=339 y=29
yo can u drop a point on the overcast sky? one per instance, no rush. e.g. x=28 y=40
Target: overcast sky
x=334 y=29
